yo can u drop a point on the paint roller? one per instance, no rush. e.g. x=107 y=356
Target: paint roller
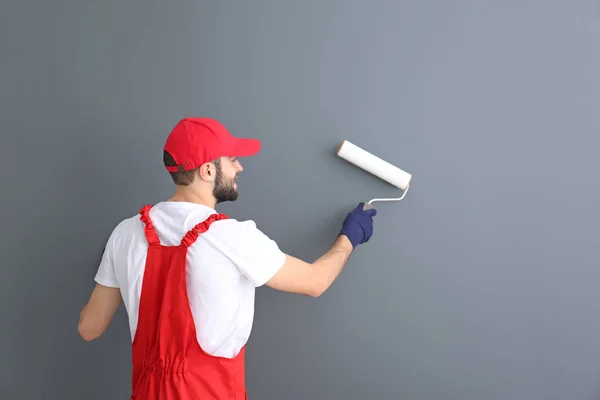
x=376 y=166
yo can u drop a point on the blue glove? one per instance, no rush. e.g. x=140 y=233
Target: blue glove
x=358 y=225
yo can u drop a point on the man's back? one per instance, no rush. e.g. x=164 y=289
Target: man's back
x=159 y=255
x=224 y=266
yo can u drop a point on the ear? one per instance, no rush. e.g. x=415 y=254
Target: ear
x=207 y=172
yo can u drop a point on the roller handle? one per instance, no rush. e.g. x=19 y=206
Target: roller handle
x=368 y=204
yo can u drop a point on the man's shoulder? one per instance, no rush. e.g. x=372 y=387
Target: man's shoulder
x=233 y=226
x=230 y=229
x=241 y=234
x=233 y=223
x=126 y=228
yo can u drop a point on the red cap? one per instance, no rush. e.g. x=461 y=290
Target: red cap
x=195 y=141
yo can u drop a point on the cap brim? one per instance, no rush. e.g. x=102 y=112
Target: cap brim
x=245 y=147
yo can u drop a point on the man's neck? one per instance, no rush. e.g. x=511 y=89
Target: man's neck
x=188 y=195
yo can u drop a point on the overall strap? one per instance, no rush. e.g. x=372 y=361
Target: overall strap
x=149 y=231
x=202 y=227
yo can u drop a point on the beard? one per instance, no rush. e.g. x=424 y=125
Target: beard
x=224 y=190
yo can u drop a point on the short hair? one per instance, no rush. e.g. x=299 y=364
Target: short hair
x=183 y=178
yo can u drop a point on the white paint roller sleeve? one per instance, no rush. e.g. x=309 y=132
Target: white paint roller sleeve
x=375 y=165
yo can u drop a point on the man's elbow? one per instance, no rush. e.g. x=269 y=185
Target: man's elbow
x=318 y=284
x=316 y=289
x=88 y=333
x=87 y=330
x=88 y=337
x=85 y=334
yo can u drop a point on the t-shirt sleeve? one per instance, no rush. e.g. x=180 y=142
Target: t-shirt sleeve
x=106 y=271
x=257 y=256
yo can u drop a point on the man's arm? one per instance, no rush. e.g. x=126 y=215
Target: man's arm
x=97 y=314
x=312 y=279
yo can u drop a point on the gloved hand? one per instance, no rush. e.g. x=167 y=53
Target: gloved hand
x=358 y=225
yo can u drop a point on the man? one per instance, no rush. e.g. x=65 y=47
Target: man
x=187 y=274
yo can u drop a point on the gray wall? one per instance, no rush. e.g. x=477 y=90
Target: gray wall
x=481 y=285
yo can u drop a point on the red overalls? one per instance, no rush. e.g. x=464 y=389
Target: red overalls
x=168 y=363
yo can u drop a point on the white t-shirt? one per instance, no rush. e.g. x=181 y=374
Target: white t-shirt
x=224 y=266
